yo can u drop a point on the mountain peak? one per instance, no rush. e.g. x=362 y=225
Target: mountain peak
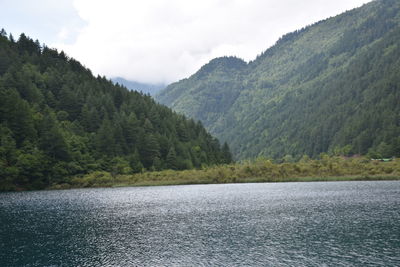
x=223 y=64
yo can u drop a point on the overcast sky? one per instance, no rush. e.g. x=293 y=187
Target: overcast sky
x=161 y=41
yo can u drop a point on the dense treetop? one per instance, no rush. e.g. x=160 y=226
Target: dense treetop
x=57 y=120
x=330 y=87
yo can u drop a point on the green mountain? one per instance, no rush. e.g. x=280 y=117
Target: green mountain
x=57 y=121
x=330 y=87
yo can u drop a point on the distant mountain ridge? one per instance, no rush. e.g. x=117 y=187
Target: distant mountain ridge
x=331 y=87
x=145 y=88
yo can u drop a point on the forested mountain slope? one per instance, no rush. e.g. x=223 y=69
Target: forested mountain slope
x=331 y=87
x=58 y=120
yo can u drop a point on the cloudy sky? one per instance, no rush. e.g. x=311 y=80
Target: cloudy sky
x=161 y=41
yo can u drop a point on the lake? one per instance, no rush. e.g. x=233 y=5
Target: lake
x=284 y=224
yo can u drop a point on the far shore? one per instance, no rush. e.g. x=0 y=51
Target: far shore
x=257 y=171
x=238 y=181
x=325 y=169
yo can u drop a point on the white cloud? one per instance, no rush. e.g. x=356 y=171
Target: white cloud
x=47 y=20
x=161 y=41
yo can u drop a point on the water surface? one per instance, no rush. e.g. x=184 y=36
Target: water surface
x=286 y=224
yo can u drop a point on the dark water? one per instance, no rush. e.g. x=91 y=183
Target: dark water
x=292 y=224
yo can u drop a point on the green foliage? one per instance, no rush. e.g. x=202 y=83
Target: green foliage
x=226 y=154
x=171 y=160
x=58 y=121
x=330 y=87
x=149 y=150
x=259 y=170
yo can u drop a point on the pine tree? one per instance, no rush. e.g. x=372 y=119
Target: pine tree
x=18 y=116
x=135 y=163
x=51 y=139
x=182 y=132
x=131 y=131
x=171 y=161
x=150 y=150
x=105 y=142
x=3 y=33
x=148 y=126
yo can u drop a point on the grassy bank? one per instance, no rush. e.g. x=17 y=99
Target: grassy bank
x=258 y=171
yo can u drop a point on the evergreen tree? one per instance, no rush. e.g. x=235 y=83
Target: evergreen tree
x=182 y=132
x=171 y=160
x=150 y=150
x=135 y=163
x=51 y=140
x=3 y=33
x=17 y=115
x=105 y=142
x=131 y=131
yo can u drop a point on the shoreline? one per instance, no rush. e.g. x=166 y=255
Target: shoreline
x=257 y=171
x=240 y=181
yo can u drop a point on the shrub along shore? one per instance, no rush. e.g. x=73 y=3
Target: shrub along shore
x=257 y=171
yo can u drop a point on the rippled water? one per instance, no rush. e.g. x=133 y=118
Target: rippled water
x=291 y=224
